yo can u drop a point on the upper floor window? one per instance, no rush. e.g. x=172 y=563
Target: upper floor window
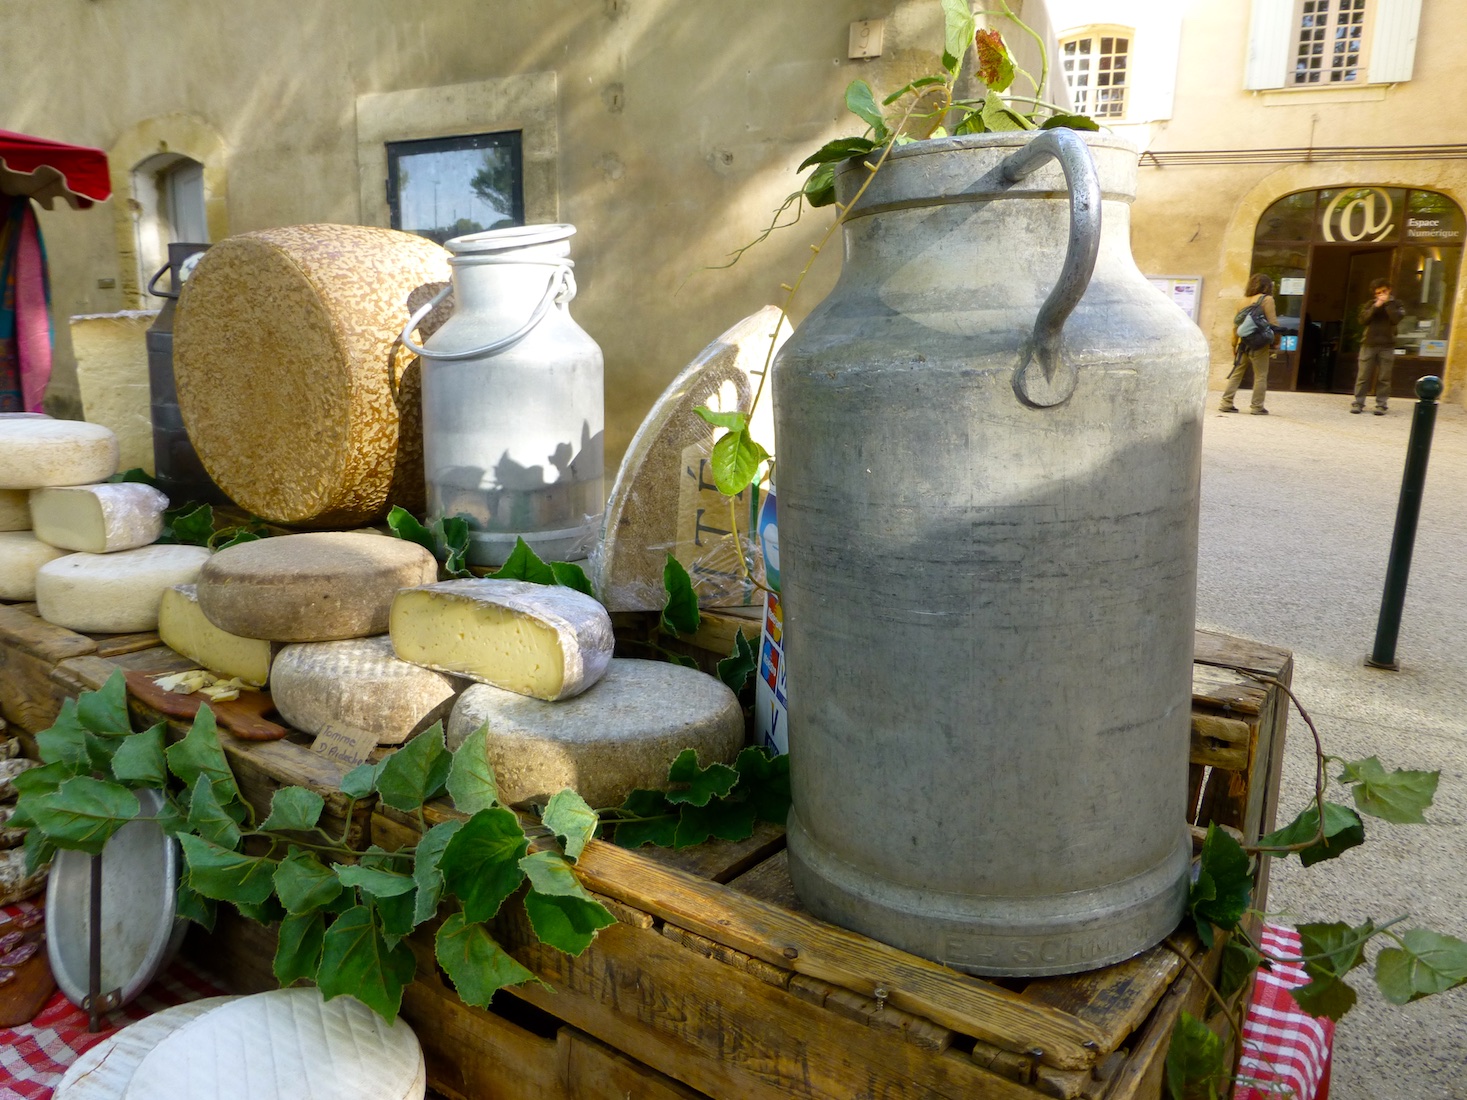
x=1097 y=70
x=1330 y=38
x=448 y=187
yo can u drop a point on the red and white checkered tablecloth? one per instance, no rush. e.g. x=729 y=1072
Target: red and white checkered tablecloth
x=34 y=1056
x=1286 y=1052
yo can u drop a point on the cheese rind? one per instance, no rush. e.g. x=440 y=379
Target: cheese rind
x=358 y=685
x=620 y=735
x=318 y=587
x=21 y=556
x=36 y=452
x=534 y=639
x=186 y=630
x=98 y=519
x=15 y=510
x=114 y=593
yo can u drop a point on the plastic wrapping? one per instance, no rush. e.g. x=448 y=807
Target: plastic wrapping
x=112 y=374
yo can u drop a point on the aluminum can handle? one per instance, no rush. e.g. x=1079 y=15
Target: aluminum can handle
x=561 y=288
x=153 y=283
x=1043 y=377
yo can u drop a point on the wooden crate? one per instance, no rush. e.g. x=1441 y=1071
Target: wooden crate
x=714 y=982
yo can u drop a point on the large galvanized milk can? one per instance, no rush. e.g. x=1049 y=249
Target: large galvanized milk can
x=513 y=418
x=988 y=527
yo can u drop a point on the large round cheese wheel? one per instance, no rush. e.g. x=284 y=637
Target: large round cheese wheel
x=299 y=404
x=21 y=556
x=317 y=587
x=39 y=451
x=113 y=593
x=102 y=1072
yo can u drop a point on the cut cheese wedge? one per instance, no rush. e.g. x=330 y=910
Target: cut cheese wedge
x=36 y=452
x=539 y=640
x=186 y=630
x=318 y=587
x=98 y=519
x=15 y=510
x=358 y=686
x=21 y=557
x=114 y=593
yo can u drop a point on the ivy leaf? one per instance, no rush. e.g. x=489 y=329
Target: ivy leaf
x=1343 y=830
x=1065 y=121
x=735 y=462
x=136 y=474
x=99 y=751
x=570 y=575
x=480 y=863
x=197 y=908
x=105 y=711
x=970 y=123
x=43 y=780
x=416 y=772
x=39 y=850
x=569 y=817
x=298 y=952
x=735 y=669
x=1239 y=961
x=294 y=809
x=268 y=911
x=958 y=30
x=680 y=612
x=832 y=152
x=998 y=117
x=362 y=780
x=523 y=565
x=200 y=753
x=471 y=781
x=139 y=761
x=207 y=818
x=995 y=67
x=373 y=881
x=694 y=785
x=395 y=914
x=190 y=525
x=718 y=820
x=735 y=420
x=304 y=884
x=911 y=86
x=455 y=545
x=660 y=828
x=232 y=536
x=355 y=959
x=1330 y=952
x=561 y=911
x=83 y=813
x=819 y=189
x=861 y=101
x=1427 y=963
x=764 y=781
x=218 y=873
x=1194 y=1060
x=1224 y=886
x=406 y=526
x=426 y=873
x=65 y=742
x=477 y=966
x=1399 y=796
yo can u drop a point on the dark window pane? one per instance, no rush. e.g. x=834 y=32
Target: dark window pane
x=448 y=187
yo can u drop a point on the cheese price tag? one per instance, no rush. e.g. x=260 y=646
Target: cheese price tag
x=345 y=745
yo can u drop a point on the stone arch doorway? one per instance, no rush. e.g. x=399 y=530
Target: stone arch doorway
x=1323 y=247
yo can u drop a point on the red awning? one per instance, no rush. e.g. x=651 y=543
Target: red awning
x=46 y=170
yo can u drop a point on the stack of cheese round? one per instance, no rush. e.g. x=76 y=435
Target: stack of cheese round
x=291 y=382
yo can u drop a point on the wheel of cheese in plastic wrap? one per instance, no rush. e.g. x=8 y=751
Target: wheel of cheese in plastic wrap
x=283 y=1045
x=102 y=1072
x=295 y=393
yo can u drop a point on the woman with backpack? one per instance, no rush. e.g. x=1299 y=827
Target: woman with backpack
x=1258 y=299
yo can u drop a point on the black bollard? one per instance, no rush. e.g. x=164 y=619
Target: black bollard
x=1398 y=570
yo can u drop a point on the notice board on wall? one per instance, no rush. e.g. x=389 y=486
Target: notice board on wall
x=1184 y=290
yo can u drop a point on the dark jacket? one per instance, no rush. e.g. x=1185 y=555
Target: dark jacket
x=1380 y=322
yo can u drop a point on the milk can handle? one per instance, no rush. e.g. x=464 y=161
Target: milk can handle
x=1049 y=381
x=561 y=288
x=153 y=282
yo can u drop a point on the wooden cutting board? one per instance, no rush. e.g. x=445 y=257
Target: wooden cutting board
x=244 y=717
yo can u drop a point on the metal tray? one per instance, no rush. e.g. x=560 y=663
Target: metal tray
x=140 y=933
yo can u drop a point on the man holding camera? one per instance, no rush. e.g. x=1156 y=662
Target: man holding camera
x=1379 y=318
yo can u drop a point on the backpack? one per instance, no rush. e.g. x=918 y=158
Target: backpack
x=1253 y=329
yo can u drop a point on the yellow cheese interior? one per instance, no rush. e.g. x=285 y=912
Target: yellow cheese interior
x=185 y=630
x=490 y=643
x=69 y=518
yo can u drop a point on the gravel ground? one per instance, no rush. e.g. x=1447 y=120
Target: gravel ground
x=1298 y=508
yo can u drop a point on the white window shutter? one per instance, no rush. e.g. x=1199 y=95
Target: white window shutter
x=1270 y=40
x=1393 y=43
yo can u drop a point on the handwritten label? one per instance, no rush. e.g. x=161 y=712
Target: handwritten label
x=344 y=745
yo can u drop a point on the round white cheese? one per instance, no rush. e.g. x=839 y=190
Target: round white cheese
x=39 y=451
x=102 y=1072
x=358 y=686
x=285 y=1045
x=114 y=593
x=318 y=587
x=15 y=510
x=98 y=519
x=535 y=639
x=186 y=630
x=620 y=735
x=21 y=555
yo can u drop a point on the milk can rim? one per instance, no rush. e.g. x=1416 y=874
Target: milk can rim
x=511 y=237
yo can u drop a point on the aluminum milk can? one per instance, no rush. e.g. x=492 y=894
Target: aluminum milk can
x=513 y=420
x=988 y=481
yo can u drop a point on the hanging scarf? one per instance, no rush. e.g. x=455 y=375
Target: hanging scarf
x=25 y=315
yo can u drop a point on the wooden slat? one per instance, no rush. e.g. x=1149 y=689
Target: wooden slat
x=112 y=645
x=1219 y=742
x=709 y=949
x=770 y=881
x=1210 y=647
x=30 y=700
x=1141 y=1077
x=915 y=1030
x=721 y=860
x=718 y=628
x=966 y=1005
x=593 y=1071
x=20 y=629
x=1225 y=690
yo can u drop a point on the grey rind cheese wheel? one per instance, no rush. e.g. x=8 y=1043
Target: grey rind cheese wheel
x=619 y=735
x=315 y=587
x=295 y=396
